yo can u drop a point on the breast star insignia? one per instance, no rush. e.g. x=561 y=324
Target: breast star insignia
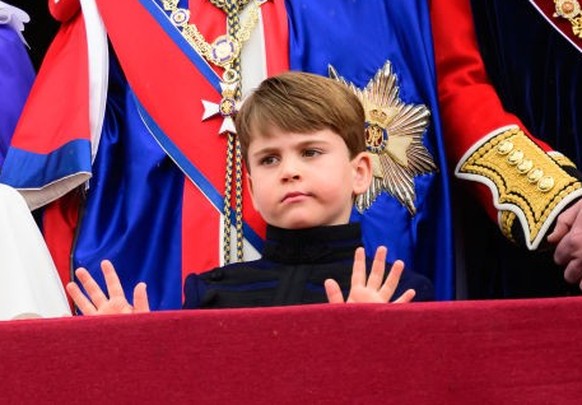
x=394 y=133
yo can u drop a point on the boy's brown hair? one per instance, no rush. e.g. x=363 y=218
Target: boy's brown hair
x=302 y=102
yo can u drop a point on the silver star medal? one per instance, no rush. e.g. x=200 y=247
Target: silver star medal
x=394 y=133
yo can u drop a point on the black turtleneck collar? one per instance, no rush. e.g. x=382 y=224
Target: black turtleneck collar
x=312 y=245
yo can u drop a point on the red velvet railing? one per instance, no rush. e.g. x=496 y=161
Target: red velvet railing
x=497 y=352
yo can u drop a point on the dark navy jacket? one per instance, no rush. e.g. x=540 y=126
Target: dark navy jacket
x=293 y=268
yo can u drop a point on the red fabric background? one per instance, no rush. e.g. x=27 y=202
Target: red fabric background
x=510 y=352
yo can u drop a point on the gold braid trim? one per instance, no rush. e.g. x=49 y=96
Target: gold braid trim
x=562 y=160
x=523 y=176
x=506 y=222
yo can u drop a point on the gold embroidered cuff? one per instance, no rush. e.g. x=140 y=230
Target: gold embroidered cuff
x=527 y=183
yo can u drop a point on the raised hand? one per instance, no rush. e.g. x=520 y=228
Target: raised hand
x=96 y=302
x=370 y=290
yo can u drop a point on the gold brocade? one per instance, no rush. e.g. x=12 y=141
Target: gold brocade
x=524 y=176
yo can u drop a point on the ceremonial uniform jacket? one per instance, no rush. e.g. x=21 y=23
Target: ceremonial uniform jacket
x=509 y=90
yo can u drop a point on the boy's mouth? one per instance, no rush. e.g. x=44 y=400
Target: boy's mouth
x=294 y=196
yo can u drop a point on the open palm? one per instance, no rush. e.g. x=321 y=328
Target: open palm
x=96 y=302
x=373 y=289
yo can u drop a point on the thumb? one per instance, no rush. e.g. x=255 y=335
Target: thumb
x=140 y=298
x=333 y=292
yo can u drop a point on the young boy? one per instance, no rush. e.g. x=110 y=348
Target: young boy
x=302 y=138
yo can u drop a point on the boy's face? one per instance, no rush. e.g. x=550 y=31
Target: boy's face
x=305 y=180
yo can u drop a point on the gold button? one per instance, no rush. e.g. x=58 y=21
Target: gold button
x=535 y=175
x=546 y=184
x=525 y=166
x=515 y=157
x=504 y=147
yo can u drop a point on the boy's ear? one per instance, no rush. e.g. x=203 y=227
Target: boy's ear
x=362 y=165
x=251 y=191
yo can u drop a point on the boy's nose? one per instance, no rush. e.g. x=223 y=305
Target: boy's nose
x=290 y=170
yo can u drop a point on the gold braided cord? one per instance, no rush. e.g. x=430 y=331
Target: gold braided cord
x=226 y=210
x=224 y=52
x=222 y=4
x=239 y=201
x=232 y=24
x=233 y=30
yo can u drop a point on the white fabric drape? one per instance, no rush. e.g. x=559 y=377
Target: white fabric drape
x=29 y=283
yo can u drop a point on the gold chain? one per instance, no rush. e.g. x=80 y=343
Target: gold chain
x=224 y=49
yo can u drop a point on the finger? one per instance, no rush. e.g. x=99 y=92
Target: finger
x=359 y=268
x=94 y=292
x=114 y=288
x=569 y=248
x=562 y=251
x=140 y=298
x=80 y=300
x=406 y=297
x=378 y=265
x=564 y=223
x=559 y=231
x=573 y=271
x=333 y=292
x=392 y=280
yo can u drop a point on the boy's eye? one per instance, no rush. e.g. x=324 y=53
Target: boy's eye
x=267 y=160
x=311 y=152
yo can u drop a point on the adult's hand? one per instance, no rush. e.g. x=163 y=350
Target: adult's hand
x=567 y=236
